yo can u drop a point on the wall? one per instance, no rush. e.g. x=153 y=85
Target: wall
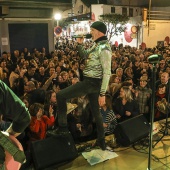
x=97 y=10
x=128 y=2
x=5 y=34
x=76 y=8
x=27 y=15
x=157 y=32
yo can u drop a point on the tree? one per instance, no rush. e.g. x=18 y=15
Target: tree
x=116 y=23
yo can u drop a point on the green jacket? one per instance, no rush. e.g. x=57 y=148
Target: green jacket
x=98 y=61
x=13 y=108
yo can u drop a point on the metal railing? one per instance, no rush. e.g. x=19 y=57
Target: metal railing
x=159 y=15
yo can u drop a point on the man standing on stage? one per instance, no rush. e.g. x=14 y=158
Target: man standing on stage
x=96 y=78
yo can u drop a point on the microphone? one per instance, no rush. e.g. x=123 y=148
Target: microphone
x=87 y=36
x=153 y=59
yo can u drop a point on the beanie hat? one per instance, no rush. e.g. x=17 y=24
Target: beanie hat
x=100 y=26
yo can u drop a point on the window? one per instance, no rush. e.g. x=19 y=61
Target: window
x=112 y=9
x=80 y=11
x=130 y=12
x=124 y=11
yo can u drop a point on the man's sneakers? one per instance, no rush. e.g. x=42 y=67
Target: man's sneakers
x=101 y=143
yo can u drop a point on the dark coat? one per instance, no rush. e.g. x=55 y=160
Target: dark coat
x=120 y=109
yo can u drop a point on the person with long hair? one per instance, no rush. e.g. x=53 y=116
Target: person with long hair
x=125 y=106
x=51 y=102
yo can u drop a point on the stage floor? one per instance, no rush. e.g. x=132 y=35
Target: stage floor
x=130 y=158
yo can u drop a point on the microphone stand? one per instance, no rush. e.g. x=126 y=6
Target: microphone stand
x=152 y=114
x=165 y=133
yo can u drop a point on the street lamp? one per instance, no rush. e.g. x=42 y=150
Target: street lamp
x=57 y=17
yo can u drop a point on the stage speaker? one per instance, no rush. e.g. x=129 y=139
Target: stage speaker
x=53 y=151
x=132 y=130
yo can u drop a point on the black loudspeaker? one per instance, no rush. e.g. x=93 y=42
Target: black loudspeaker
x=132 y=130
x=53 y=151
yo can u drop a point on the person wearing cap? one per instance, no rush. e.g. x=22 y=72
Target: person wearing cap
x=96 y=73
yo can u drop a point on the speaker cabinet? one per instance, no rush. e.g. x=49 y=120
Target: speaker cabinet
x=53 y=151
x=132 y=130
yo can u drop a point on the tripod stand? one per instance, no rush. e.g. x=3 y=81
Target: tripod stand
x=165 y=133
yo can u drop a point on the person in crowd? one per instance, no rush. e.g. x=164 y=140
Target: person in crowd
x=119 y=73
x=39 y=121
x=31 y=73
x=37 y=129
x=24 y=138
x=41 y=74
x=34 y=94
x=14 y=109
x=130 y=80
x=50 y=65
x=4 y=71
x=160 y=94
x=74 y=124
x=15 y=56
x=54 y=58
x=81 y=122
x=50 y=79
x=114 y=66
x=74 y=80
x=45 y=62
x=51 y=102
x=16 y=72
x=62 y=64
x=125 y=107
x=65 y=80
x=136 y=71
x=78 y=71
x=143 y=97
x=161 y=68
x=26 y=101
x=96 y=78
x=7 y=57
x=109 y=118
x=128 y=73
x=114 y=84
x=167 y=69
x=164 y=79
x=117 y=93
x=3 y=65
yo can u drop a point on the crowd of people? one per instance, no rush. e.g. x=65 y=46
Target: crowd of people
x=37 y=76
